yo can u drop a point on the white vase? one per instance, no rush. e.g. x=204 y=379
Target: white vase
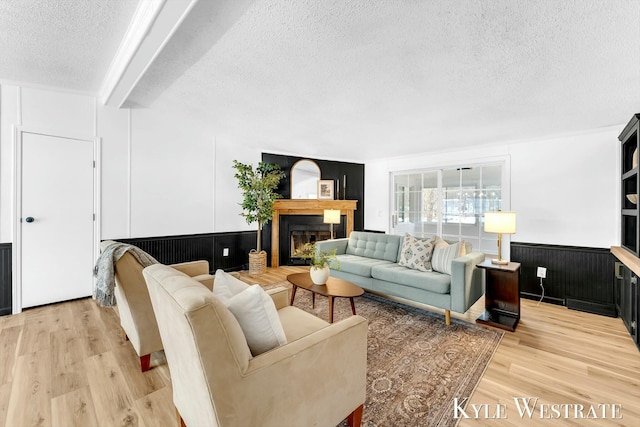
x=319 y=276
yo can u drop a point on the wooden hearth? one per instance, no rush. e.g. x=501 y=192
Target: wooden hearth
x=305 y=207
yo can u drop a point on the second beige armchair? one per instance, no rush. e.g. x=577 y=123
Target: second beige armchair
x=137 y=318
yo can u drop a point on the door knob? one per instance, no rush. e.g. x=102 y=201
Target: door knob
x=29 y=219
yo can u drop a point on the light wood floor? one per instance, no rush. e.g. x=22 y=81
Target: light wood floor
x=67 y=365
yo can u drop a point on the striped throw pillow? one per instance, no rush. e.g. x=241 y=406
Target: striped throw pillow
x=444 y=254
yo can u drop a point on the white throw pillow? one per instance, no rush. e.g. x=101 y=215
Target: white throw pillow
x=225 y=286
x=444 y=254
x=416 y=252
x=256 y=313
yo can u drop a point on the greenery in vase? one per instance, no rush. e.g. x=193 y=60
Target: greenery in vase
x=317 y=257
x=258 y=192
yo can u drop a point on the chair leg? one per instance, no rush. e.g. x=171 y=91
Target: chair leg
x=145 y=362
x=355 y=418
x=180 y=420
x=447 y=317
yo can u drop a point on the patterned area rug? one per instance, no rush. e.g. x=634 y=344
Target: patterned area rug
x=416 y=364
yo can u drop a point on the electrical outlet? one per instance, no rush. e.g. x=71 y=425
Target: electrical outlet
x=225 y=252
x=542 y=272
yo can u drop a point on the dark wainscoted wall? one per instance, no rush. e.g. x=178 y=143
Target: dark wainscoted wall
x=5 y=278
x=578 y=277
x=329 y=169
x=210 y=247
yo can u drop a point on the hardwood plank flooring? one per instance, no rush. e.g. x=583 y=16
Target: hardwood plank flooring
x=67 y=365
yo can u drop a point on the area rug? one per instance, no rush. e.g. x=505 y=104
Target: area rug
x=416 y=365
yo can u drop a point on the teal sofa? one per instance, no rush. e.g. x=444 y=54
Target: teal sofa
x=370 y=260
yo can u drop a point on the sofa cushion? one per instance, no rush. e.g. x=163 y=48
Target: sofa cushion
x=428 y=280
x=374 y=245
x=444 y=253
x=358 y=264
x=257 y=315
x=298 y=323
x=416 y=252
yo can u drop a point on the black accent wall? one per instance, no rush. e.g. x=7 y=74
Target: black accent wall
x=580 y=278
x=210 y=246
x=5 y=278
x=329 y=169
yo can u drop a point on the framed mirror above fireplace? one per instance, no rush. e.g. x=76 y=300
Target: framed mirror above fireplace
x=305 y=174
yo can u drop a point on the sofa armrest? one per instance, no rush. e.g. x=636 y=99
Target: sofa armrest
x=205 y=279
x=280 y=296
x=340 y=245
x=467 y=281
x=192 y=268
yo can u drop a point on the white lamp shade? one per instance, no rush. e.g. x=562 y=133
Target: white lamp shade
x=500 y=222
x=331 y=216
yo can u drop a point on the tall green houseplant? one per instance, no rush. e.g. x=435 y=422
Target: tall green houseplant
x=258 y=192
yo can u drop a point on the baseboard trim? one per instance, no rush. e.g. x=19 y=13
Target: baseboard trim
x=592 y=307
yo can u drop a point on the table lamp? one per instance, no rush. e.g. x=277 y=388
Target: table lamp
x=331 y=216
x=501 y=223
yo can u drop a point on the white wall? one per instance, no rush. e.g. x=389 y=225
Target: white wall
x=157 y=171
x=564 y=189
x=171 y=176
x=228 y=197
x=8 y=116
x=163 y=175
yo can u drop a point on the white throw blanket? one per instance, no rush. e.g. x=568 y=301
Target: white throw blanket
x=104 y=270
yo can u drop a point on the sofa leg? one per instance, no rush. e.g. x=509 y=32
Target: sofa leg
x=447 y=317
x=355 y=418
x=145 y=362
x=180 y=420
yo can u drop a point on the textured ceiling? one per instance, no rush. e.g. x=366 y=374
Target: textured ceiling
x=61 y=43
x=354 y=79
x=365 y=79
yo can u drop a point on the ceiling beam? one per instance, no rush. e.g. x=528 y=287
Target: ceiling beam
x=153 y=24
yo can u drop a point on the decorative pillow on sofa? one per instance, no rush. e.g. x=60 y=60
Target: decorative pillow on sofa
x=225 y=286
x=444 y=254
x=416 y=252
x=257 y=315
x=254 y=310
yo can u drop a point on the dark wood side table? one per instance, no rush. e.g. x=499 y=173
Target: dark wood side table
x=501 y=295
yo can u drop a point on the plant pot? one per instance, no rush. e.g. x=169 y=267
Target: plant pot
x=257 y=262
x=319 y=276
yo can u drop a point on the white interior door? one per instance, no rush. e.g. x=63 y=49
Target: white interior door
x=57 y=219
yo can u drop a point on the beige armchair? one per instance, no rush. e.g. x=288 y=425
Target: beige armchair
x=317 y=379
x=137 y=318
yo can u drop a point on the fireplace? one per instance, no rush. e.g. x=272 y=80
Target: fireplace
x=290 y=215
x=296 y=230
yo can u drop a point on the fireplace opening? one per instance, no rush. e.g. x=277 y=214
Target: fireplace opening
x=299 y=238
x=296 y=230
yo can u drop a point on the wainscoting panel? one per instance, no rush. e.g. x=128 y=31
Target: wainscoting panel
x=5 y=279
x=239 y=244
x=175 y=249
x=580 y=278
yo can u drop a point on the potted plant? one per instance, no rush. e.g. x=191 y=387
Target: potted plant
x=258 y=194
x=319 y=262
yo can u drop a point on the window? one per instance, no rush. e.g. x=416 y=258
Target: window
x=448 y=202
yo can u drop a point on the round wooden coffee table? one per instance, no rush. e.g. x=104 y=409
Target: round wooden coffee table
x=334 y=288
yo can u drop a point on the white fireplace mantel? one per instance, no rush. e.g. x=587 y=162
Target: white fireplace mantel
x=305 y=207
